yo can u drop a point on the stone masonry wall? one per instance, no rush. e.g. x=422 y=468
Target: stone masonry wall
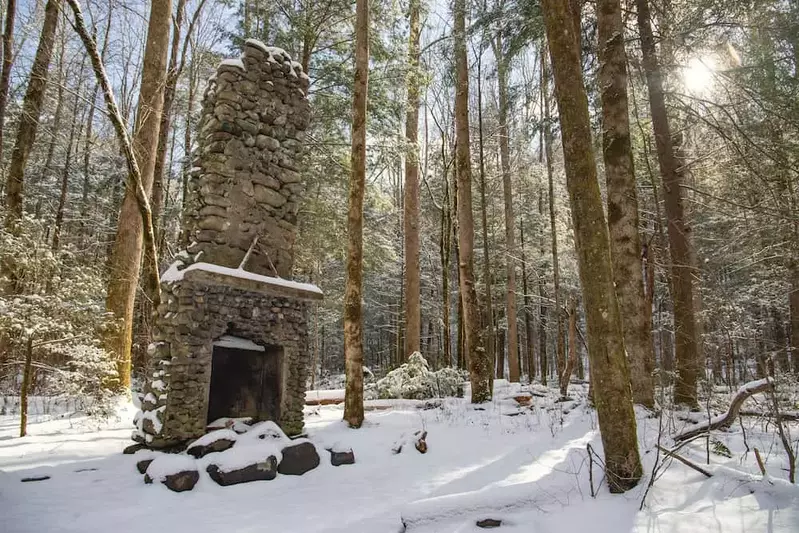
x=191 y=317
x=246 y=180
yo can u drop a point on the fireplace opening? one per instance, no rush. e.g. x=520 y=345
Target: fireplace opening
x=245 y=380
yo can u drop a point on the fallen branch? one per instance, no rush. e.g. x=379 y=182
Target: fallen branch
x=785 y=417
x=683 y=460
x=726 y=420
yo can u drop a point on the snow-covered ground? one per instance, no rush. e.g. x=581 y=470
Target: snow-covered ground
x=528 y=468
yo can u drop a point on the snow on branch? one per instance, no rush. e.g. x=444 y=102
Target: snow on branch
x=726 y=419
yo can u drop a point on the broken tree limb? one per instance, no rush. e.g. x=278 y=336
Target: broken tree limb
x=726 y=420
x=683 y=460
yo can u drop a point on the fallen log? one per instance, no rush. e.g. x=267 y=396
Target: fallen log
x=725 y=420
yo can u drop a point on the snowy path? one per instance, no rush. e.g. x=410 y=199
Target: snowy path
x=529 y=470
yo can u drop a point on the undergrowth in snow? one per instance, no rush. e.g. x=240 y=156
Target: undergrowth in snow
x=526 y=466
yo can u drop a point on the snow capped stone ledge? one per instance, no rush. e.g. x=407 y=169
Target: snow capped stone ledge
x=239 y=276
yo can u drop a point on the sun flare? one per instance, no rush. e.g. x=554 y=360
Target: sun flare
x=697 y=75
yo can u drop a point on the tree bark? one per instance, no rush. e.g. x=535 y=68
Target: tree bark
x=529 y=329
x=489 y=300
x=609 y=372
x=29 y=118
x=682 y=283
x=793 y=298
x=560 y=349
x=571 y=359
x=62 y=200
x=8 y=61
x=625 y=240
x=135 y=214
x=476 y=355
x=84 y=209
x=510 y=224
x=353 y=318
x=27 y=371
x=413 y=312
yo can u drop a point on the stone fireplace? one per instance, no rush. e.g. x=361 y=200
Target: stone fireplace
x=230 y=337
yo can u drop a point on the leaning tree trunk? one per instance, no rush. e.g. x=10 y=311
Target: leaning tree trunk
x=510 y=239
x=353 y=317
x=413 y=312
x=476 y=355
x=609 y=372
x=686 y=348
x=125 y=262
x=29 y=117
x=623 y=201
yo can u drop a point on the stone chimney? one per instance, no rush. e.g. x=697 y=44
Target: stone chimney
x=246 y=182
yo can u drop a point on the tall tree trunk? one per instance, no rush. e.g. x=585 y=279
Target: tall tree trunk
x=625 y=240
x=125 y=262
x=477 y=357
x=413 y=311
x=529 y=330
x=445 y=246
x=609 y=372
x=84 y=209
x=353 y=318
x=679 y=245
x=62 y=200
x=542 y=308
x=489 y=300
x=8 y=61
x=185 y=237
x=793 y=299
x=510 y=224
x=166 y=122
x=29 y=118
x=560 y=348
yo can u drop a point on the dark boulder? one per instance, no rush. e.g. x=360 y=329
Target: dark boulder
x=201 y=449
x=260 y=471
x=142 y=465
x=341 y=457
x=179 y=481
x=133 y=448
x=298 y=459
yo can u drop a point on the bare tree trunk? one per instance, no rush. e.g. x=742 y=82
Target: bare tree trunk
x=413 y=311
x=623 y=201
x=571 y=360
x=609 y=372
x=166 y=123
x=793 y=298
x=62 y=200
x=510 y=224
x=445 y=245
x=489 y=300
x=560 y=349
x=353 y=318
x=542 y=308
x=27 y=372
x=679 y=244
x=29 y=118
x=529 y=329
x=135 y=213
x=8 y=61
x=476 y=355
x=84 y=209
x=185 y=237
